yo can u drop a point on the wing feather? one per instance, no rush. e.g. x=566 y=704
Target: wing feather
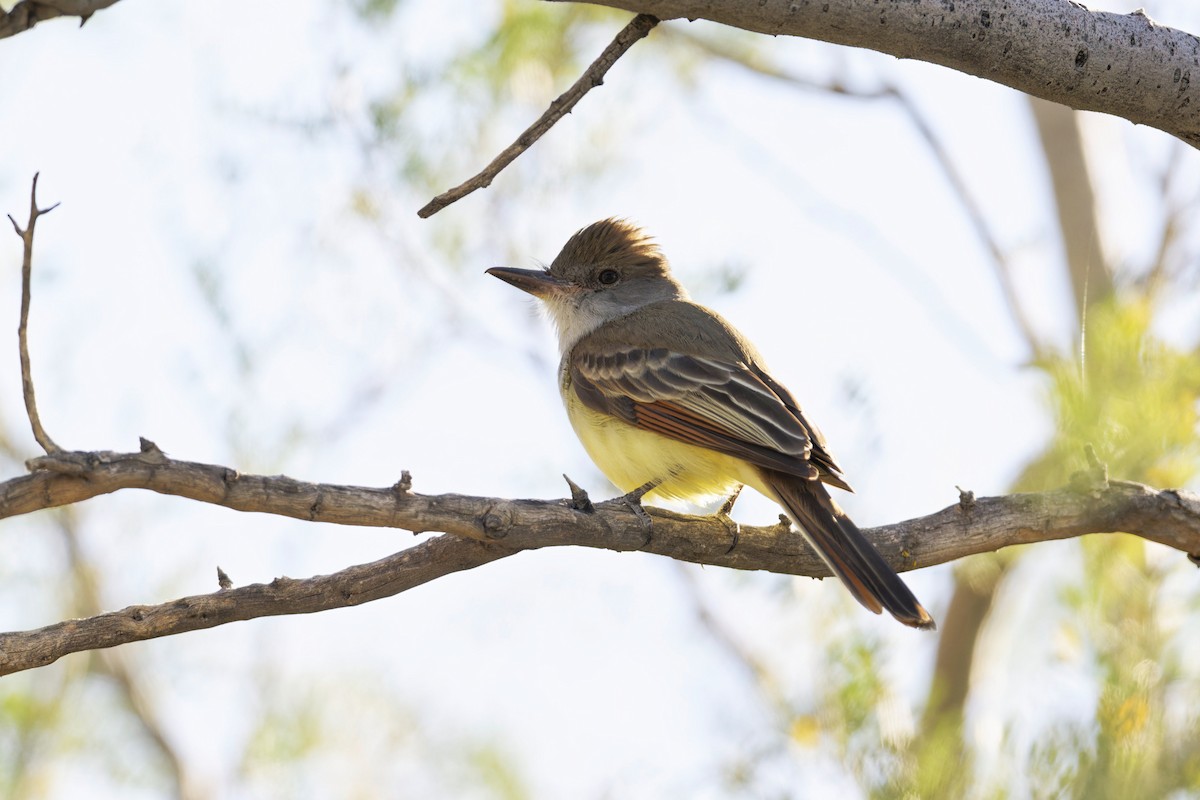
x=722 y=405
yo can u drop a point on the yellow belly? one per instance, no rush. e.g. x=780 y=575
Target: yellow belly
x=631 y=458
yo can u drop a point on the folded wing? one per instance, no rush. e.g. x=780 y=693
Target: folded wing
x=731 y=407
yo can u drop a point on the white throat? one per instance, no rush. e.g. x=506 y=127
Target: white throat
x=577 y=315
x=573 y=321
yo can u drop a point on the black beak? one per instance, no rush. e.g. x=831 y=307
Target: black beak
x=537 y=282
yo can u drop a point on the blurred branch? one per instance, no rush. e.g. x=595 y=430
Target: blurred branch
x=1122 y=64
x=886 y=90
x=750 y=60
x=484 y=529
x=637 y=29
x=123 y=671
x=1075 y=201
x=728 y=641
x=1177 y=213
x=27 y=13
x=1091 y=282
x=962 y=624
x=975 y=215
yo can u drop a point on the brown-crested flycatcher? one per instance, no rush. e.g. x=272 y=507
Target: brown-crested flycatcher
x=663 y=391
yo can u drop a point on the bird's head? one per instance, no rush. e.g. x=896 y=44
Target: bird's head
x=605 y=271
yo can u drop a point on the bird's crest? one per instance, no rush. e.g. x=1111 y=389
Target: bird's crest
x=612 y=242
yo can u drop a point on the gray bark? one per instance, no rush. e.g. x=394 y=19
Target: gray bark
x=1121 y=64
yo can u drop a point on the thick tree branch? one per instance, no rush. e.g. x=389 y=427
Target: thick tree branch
x=27 y=13
x=972 y=526
x=637 y=29
x=485 y=529
x=1122 y=64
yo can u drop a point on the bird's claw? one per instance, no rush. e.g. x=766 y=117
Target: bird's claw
x=634 y=501
x=734 y=527
x=731 y=525
x=727 y=507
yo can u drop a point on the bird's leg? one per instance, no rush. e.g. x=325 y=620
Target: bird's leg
x=722 y=514
x=634 y=501
x=727 y=507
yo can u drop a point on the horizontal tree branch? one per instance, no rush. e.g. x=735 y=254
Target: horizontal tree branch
x=1121 y=64
x=349 y=587
x=27 y=13
x=484 y=529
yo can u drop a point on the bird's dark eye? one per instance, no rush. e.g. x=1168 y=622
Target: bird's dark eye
x=608 y=277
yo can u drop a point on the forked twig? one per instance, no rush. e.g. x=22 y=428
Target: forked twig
x=637 y=28
x=26 y=235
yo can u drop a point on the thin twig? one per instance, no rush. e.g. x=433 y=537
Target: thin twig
x=26 y=235
x=637 y=28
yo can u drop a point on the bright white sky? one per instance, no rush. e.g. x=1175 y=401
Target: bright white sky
x=346 y=351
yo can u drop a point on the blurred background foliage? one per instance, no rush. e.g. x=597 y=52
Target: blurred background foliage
x=1122 y=388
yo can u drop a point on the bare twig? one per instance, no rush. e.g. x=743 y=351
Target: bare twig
x=637 y=28
x=26 y=235
x=27 y=13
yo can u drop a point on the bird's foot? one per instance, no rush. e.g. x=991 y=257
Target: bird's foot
x=727 y=507
x=731 y=525
x=634 y=501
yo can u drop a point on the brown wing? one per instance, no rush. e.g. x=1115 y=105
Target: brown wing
x=721 y=405
x=831 y=473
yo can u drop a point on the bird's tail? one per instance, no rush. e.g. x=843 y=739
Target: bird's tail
x=844 y=548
